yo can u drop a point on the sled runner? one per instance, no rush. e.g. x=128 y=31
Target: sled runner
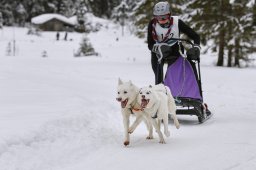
x=183 y=77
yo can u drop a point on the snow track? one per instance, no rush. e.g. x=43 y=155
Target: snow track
x=60 y=142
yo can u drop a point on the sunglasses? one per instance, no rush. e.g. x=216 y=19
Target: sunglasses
x=162 y=17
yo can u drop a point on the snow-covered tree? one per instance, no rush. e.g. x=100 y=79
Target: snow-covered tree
x=227 y=22
x=120 y=14
x=20 y=14
x=80 y=12
x=36 y=8
x=101 y=8
x=7 y=14
x=254 y=12
x=85 y=49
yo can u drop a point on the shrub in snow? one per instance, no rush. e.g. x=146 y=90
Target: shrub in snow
x=85 y=49
x=80 y=28
x=20 y=15
x=44 y=54
x=33 y=31
x=93 y=27
x=9 y=49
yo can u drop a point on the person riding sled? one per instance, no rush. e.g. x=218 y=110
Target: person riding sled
x=164 y=28
x=183 y=76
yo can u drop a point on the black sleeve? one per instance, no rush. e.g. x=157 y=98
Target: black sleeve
x=189 y=32
x=150 y=39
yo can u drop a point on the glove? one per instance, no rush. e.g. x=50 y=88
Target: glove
x=155 y=48
x=194 y=52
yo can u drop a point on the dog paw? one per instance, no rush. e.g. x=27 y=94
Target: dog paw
x=167 y=133
x=177 y=126
x=162 y=141
x=126 y=143
x=130 y=130
x=149 y=137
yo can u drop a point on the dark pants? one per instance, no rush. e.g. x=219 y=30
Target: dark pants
x=158 y=68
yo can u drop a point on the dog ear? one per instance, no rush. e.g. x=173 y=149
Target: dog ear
x=130 y=82
x=140 y=90
x=120 y=81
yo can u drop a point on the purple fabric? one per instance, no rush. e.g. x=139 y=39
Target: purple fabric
x=180 y=84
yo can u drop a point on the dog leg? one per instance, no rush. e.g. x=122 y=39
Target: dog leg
x=166 y=131
x=176 y=122
x=159 y=123
x=172 y=109
x=149 y=127
x=154 y=122
x=126 y=122
x=135 y=123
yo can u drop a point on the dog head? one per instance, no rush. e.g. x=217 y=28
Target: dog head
x=126 y=93
x=146 y=97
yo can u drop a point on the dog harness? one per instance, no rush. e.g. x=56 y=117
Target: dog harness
x=133 y=108
x=136 y=109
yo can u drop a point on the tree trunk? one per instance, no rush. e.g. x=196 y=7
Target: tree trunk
x=230 y=47
x=221 y=47
x=230 y=53
x=237 y=54
x=254 y=14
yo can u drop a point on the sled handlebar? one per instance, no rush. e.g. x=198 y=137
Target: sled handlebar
x=182 y=39
x=164 y=47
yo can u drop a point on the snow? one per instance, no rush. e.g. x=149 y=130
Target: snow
x=250 y=3
x=60 y=112
x=47 y=17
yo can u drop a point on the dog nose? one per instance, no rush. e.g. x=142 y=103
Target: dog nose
x=143 y=96
x=119 y=99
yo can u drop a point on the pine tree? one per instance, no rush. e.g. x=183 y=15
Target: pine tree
x=85 y=49
x=254 y=13
x=36 y=8
x=103 y=8
x=6 y=9
x=208 y=17
x=226 y=22
x=20 y=14
x=241 y=21
x=120 y=12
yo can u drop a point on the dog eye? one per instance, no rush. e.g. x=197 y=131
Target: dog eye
x=125 y=92
x=140 y=92
x=118 y=92
x=148 y=92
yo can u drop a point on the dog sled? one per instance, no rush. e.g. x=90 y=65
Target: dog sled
x=183 y=77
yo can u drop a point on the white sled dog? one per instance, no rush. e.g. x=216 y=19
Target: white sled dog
x=158 y=102
x=127 y=94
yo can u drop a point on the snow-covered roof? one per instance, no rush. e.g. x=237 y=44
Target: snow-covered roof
x=47 y=17
x=73 y=20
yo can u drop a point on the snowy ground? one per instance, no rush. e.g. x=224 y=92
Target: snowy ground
x=60 y=113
